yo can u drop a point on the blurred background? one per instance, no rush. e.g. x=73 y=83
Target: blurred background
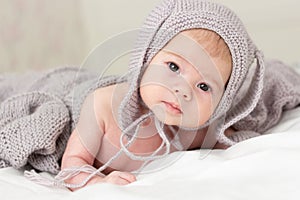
x=41 y=34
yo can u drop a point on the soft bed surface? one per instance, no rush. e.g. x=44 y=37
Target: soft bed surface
x=265 y=167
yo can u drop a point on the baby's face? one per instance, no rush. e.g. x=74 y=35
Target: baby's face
x=182 y=84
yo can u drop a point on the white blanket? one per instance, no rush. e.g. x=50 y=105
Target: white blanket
x=265 y=167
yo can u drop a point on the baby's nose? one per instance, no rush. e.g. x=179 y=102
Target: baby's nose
x=183 y=91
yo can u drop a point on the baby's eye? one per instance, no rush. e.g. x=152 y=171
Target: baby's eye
x=203 y=86
x=173 y=67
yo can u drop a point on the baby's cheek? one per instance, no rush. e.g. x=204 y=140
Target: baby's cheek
x=202 y=110
x=148 y=91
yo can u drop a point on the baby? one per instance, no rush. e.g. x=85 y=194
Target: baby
x=185 y=89
x=181 y=80
x=181 y=87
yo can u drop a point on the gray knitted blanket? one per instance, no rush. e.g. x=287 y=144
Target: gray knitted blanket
x=281 y=92
x=38 y=111
x=37 y=114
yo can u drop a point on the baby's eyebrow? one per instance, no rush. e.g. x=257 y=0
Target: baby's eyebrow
x=177 y=56
x=174 y=54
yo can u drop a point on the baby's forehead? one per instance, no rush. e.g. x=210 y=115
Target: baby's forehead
x=209 y=40
x=188 y=49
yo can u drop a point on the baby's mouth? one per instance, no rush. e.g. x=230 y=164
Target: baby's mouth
x=173 y=107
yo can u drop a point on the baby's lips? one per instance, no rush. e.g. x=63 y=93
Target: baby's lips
x=173 y=105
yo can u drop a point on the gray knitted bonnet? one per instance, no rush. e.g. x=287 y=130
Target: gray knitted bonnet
x=173 y=16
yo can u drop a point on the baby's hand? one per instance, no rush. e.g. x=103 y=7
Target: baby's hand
x=119 y=178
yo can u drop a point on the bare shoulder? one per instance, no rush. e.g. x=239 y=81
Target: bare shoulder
x=106 y=100
x=109 y=96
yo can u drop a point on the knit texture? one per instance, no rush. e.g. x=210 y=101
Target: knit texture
x=281 y=92
x=38 y=112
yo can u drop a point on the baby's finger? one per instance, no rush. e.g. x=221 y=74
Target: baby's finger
x=119 y=181
x=119 y=178
x=127 y=176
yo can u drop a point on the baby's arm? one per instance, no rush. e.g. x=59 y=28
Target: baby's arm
x=77 y=155
x=85 y=141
